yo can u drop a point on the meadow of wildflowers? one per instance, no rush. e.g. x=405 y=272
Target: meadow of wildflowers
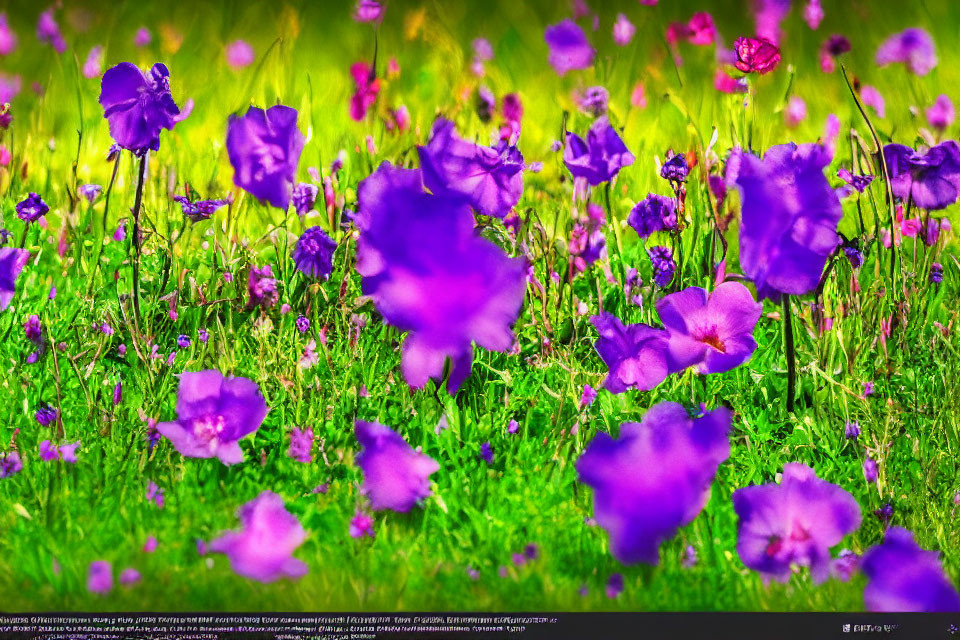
x=479 y=305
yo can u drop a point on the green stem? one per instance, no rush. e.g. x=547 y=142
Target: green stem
x=136 y=237
x=790 y=352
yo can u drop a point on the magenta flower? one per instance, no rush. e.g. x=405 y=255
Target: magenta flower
x=871 y=97
x=756 y=55
x=367 y=87
x=142 y=37
x=789 y=217
x=9 y=88
x=931 y=179
x=261 y=287
x=12 y=262
x=623 y=30
x=8 y=39
x=490 y=178
x=361 y=524
x=213 y=414
x=714 y=331
x=429 y=273
x=941 y=113
x=100 y=577
x=726 y=84
x=301 y=445
x=129 y=576
x=264 y=148
x=313 y=253
x=655 y=478
x=905 y=578
x=263 y=548
x=701 y=29
x=913 y=47
x=394 y=475
x=833 y=47
x=813 y=14
x=239 y=54
x=794 y=522
x=93 y=66
x=636 y=355
x=569 y=47
x=49 y=31
x=795 y=112
x=368 y=11
x=599 y=158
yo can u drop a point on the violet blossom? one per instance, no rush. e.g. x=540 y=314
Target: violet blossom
x=264 y=148
x=394 y=475
x=636 y=355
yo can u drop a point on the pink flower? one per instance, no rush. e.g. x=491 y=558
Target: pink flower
x=872 y=98
x=796 y=111
x=638 y=97
x=239 y=54
x=623 y=30
x=367 y=88
x=813 y=14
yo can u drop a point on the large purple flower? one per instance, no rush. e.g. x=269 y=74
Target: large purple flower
x=12 y=262
x=491 y=178
x=313 y=253
x=394 y=475
x=712 y=331
x=653 y=213
x=931 y=179
x=655 y=478
x=913 y=47
x=138 y=105
x=263 y=549
x=213 y=413
x=636 y=355
x=569 y=47
x=264 y=148
x=794 y=522
x=904 y=577
x=600 y=157
x=790 y=217
x=429 y=273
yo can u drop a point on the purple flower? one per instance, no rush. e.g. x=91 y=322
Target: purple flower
x=636 y=355
x=714 y=331
x=833 y=47
x=304 y=197
x=138 y=105
x=12 y=262
x=32 y=329
x=199 y=210
x=569 y=48
x=931 y=179
x=394 y=475
x=129 y=576
x=203 y=336
x=905 y=578
x=239 y=54
x=859 y=183
x=653 y=213
x=936 y=273
x=790 y=216
x=32 y=208
x=301 y=444
x=851 y=431
x=588 y=396
x=93 y=66
x=756 y=55
x=884 y=513
x=118 y=393
x=845 y=564
x=870 y=470
x=262 y=287
x=8 y=39
x=100 y=577
x=594 y=101
x=368 y=11
x=49 y=31
x=601 y=157
x=872 y=97
x=623 y=30
x=675 y=169
x=913 y=47
x=48 y=451
x=213 y=413
x=361 y=524
x=512 y=427
x=429 y=273
x=10 y=464
x=155 y=494
x=794 y=522
x=941 y=113
x=46 y=416
x=663 y=265
x=302 y=324
x=264 y=148
x=90 y=191
x=313 y=253
x=490 y=178
x=263 y=548
x=142 y=37
x=183 y=341
x=655 y=478
x=486 y=452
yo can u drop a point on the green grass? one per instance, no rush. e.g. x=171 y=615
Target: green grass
x=479 y=514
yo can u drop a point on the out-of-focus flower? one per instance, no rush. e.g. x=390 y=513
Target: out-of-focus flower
x=32 y=208
x=49 y=31
x=795 y=112
x=367 y=87
x=905 y=578
x=394 y=475
x=832 y=48
x=569 y=47
x=636 y=355
x=873 y=98
x=93 y=66
x=941 y=113
x=143 y=37
x=8 y=39
x=368 y=11
x=263 y=548
x=100 y=577
x=913 y=47
x=599 y=158
x=623 y=30
x=655 y=478
x=813 y=14
x=931 y=179
x=239 y=54
x=199 y=210
x=361 y=524
x=794 y=522
x=301 y=445
x=264 y=148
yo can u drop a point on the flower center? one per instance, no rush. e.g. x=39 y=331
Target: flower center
x=711 y=337
x=208 y=430
x=774 y=546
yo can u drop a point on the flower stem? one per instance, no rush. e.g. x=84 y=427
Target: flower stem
x=790 y=352
x=136 y=237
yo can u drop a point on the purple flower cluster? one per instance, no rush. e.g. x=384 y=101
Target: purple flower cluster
x=652 y=214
